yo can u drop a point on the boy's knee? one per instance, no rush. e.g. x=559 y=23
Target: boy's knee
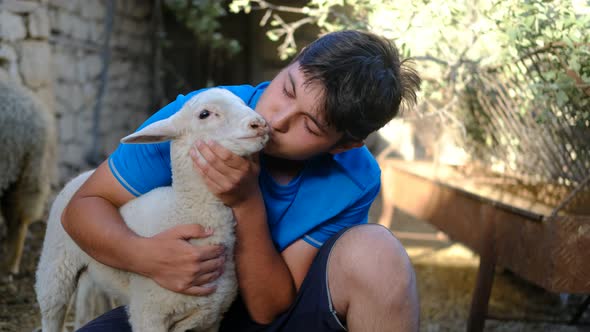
x=368 y=248
x=369 y=260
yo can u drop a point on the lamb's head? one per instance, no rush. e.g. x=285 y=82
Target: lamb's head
x=214 y=114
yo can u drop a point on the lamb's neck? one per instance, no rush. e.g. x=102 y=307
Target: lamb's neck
x=186 y=182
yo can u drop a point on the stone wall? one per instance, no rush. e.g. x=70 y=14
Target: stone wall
x=57 y=49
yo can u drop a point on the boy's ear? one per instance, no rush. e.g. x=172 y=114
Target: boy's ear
x=346 y=146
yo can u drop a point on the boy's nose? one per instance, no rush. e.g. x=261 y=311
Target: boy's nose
x=280 y=121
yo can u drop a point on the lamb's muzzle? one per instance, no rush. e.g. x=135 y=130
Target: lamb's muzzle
x=258 y=128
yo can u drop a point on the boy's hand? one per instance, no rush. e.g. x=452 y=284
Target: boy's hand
x=175 y=264
x=233 y=179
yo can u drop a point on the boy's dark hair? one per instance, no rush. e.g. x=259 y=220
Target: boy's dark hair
x=364 y=78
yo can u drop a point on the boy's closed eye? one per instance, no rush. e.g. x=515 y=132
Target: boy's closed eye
x=311 y=127
x=287 y=93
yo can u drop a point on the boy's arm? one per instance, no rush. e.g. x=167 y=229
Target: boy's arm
x=93 y=221
x=268 y=280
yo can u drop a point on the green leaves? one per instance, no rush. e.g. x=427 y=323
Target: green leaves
x=202 y=18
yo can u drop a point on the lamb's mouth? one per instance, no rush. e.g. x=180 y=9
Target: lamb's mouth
x=263 y=136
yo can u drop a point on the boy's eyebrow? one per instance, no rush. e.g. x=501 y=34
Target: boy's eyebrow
x=292 y=82
x=309 y=115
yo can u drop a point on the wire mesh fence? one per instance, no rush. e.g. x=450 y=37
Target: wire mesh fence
x=528 y=122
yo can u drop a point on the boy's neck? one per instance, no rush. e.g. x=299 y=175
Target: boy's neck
x=282 y=170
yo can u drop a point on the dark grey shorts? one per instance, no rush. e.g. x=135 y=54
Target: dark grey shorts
x=311 y=311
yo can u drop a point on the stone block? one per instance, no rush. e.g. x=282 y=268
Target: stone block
x=74 y=154
x=84 y=124
x=120 y=69
x=80 y=28
x=92 y=65
x=69 y=5
x=64 y=23
x=47 y=97
x=12 y=26
x=65 y=65
x=111 y=142
x=76 y=98
x=39 y=23
x=67 y=127
x=139 y=28
x=131 y=26
x=35 y=63
x=89 y=90
x=7 y=53
x=95 y=32
x=140 y=8
x=9 y=61
x=69 y=97
x=93 y=9
x=19 y=6
x=62 y=104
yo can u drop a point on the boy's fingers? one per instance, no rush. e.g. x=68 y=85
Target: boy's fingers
x=209 y=256
x=200 y=290
x=220 y=156
x=212 y=161
x=214 y=180
x=190 y=231
x=207 y=278
x=230 y=158
x=213 y=263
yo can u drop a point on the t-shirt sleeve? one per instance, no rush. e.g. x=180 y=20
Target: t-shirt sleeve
x=357 y=213
x=143 y=167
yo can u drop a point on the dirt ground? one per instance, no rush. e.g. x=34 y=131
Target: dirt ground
x=445 y=271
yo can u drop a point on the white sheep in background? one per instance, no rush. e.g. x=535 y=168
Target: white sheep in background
x=214 y=114
x=27 y=164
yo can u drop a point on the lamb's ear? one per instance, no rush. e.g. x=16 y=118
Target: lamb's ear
x=160 y=131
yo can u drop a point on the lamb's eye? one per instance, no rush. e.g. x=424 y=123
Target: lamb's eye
x=204 y=114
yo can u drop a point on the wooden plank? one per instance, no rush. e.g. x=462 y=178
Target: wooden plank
x=449 y=177
x=549 y=254
x=484 y=282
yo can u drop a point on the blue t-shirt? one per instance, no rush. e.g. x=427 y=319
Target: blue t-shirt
x=330 y=193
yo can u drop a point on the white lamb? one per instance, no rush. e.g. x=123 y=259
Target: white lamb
x=214 y=114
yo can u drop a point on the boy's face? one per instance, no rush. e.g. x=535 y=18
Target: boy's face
x=294 y=112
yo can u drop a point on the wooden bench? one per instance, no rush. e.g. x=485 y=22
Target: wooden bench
x=504 y=229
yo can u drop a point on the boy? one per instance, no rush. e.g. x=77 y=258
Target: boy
x=301 y=264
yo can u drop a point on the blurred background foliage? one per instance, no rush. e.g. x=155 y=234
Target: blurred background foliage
x=500 y=72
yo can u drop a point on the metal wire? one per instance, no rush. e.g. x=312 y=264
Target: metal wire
x=552 y=155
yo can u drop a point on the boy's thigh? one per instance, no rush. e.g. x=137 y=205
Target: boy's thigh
x=115 y=320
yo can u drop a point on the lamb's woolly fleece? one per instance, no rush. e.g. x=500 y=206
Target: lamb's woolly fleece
x=151 y=307
x=27 y=164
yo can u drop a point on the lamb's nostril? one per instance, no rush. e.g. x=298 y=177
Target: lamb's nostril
x=258 y=124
